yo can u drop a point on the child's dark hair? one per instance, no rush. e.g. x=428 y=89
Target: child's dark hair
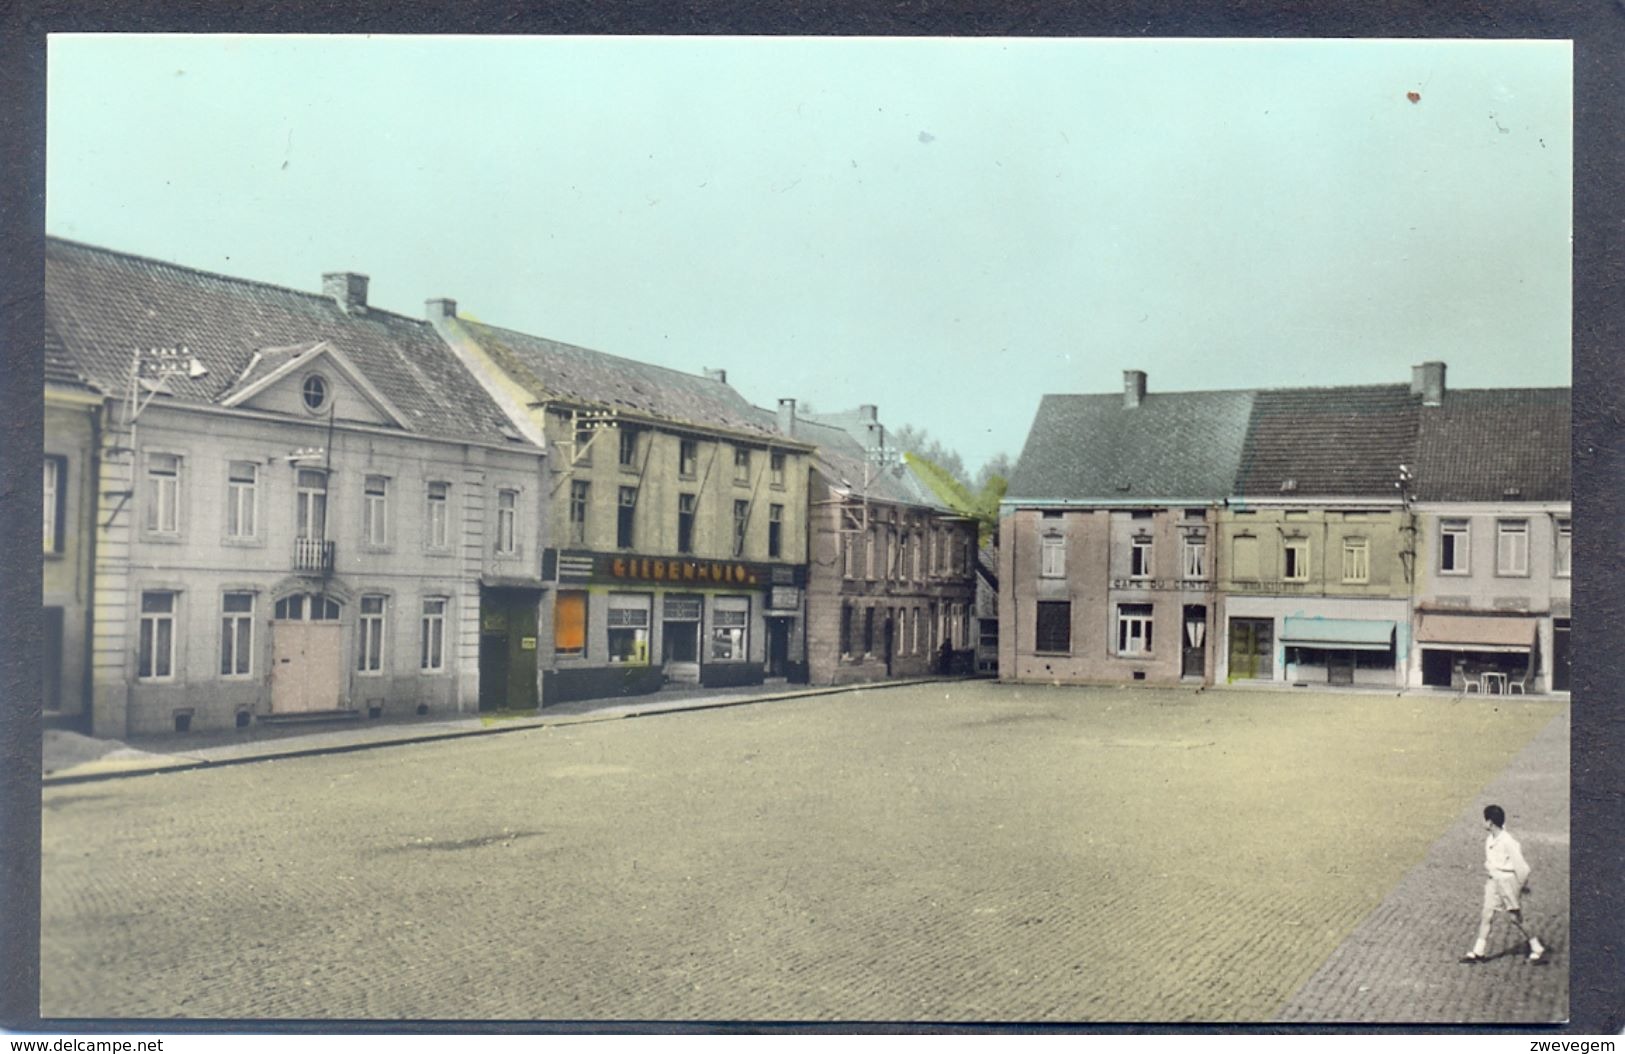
x=1496 y=815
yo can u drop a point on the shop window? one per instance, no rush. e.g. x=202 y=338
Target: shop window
x=730 y=624
x=570 y=622
x=1133 y=629
x=1054 y=627
x=629 y=628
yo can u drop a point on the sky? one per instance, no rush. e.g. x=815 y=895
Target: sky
x=946 y=228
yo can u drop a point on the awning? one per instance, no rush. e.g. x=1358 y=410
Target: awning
x=1477 y=632
x=1341 y=633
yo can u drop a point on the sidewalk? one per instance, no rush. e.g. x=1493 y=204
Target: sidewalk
x=71 y=758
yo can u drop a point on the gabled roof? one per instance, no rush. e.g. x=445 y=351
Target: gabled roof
x=273 y=364
x=843 y=459
x=1173 y=446
x=103 y=305
x=1329 y=442
x=556 y=372
x=1482 y=443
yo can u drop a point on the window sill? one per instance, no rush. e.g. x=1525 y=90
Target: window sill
x=243 y=543
x=1053 y=654
x=51 y=554
x=162 y=539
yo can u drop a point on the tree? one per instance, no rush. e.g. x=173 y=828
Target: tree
x=981 y=505
x=911 y=440
x=997 y=465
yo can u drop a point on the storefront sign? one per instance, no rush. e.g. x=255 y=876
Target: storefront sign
x=1188 y=585
x=614 y=568
x=527 y=643
x=784 y=598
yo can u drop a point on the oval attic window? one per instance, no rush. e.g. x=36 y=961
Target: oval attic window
x=315 y=392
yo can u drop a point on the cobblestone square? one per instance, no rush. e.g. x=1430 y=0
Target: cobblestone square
x=943 y=852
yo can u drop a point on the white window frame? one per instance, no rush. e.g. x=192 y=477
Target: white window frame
x=437 y=511
x=432 y=635
x=507 y=540
x=375 y=510
x=242 y=500
x=724 y=612
x=1512 y=548
x=580 y=504
x=1295 y=551
x=1357 y=560
x=163 y=493
x=1461 y=531
x=1141 y=557
x=150 y=625
x=775 y=467
x=1134 y=636
x=371 y=641
x=310 y=503
x=638 y=604
x=1193 y=558
x=742 y=465
x=1563 y=548
x=1052 y=555
x=52 y=482
x=236 y=654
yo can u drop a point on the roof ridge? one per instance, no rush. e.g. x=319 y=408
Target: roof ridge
x=221 y=276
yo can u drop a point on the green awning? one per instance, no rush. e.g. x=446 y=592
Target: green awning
x=1343 y=633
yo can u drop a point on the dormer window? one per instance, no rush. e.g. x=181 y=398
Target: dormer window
x=315 y=392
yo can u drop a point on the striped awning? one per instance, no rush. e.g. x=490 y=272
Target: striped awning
x=1342 y=633
x=1477 y=632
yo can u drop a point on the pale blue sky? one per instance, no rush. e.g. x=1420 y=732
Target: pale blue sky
x=946 y=228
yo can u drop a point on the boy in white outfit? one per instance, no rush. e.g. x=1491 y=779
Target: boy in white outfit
x=1508 y=874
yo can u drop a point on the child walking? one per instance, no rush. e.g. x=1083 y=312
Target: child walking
x=1508 y=874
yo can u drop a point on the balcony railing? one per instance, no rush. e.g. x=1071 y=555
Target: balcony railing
x=313 y=554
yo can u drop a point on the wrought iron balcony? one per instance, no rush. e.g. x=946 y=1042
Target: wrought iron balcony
x=313 y=554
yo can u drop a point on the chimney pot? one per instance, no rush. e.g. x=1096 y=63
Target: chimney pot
x=1133 y=388
x=720 y=376
x=440 y=307
x=346 y=287
x=787 y=417
x=1427 y=380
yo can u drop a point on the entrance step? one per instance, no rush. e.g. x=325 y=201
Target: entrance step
x=309 y=717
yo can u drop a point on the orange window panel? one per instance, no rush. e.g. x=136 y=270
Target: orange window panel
x=570 y=622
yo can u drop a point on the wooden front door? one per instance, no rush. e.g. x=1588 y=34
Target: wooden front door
x=1193 y=661
x=1252 y=649
x=306 y=665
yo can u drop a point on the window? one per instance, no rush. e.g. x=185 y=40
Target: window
x=237 y=635
x=775 y=463
x=1295 y=560
x=1054 y=626
x=625 y=516
x=775 y=531
x=902 y=556
x=1133 y=629
x=741 y=520
x=294 y=607
x=919 y=557
x=580 y=491
x=1244 y=557
x=1052 y=556
x=741 y=465
x=315 y=392
x=1356 y=560
x=507 y=514
x=1512 y=547
x=629 y=628
x=629 y=447
x=439 y=498
x=155 y=649
x=53 y=502
x=871 y=544
x=570 y=622
x=582 y=454
x=688 y=458
x=1139 y=558
x=310 y=515
x=729 y=621
x=1453 y=542
x=685 y=523
x=375 y=510
x=918 y=643
x=163 y=493
x=432 y=639
x=1565 y=548
x=1193 y=563
x=370 y=636
x=868 y=631
x=846 y=629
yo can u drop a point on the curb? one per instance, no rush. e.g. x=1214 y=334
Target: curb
x=610 y=713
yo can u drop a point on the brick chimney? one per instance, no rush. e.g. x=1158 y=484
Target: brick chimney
x=868 y=412
x=348 y=288
x=787 y=417
x=1427 y=380
x=716 y=375
x=439 y=307
x=1133 y=388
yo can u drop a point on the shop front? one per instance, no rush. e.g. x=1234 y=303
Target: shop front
x=626 y=624
x=1487 y=652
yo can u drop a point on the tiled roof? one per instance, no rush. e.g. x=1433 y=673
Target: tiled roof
x=1329 y=442
x=1482 y=443
x=840 y=458
x=104 y=304
x=1173 y=446
x=59 y=368
x=552 y=370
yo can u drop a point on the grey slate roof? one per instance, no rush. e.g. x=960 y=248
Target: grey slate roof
x=59 y=368
x=555 y=371
x=1173 y=446
x=102 y=305
x=1329 y=442
x=841 y=460
x=1481 y=442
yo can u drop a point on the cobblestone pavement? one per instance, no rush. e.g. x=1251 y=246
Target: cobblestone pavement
x=934 y=853
x=1400 y=963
